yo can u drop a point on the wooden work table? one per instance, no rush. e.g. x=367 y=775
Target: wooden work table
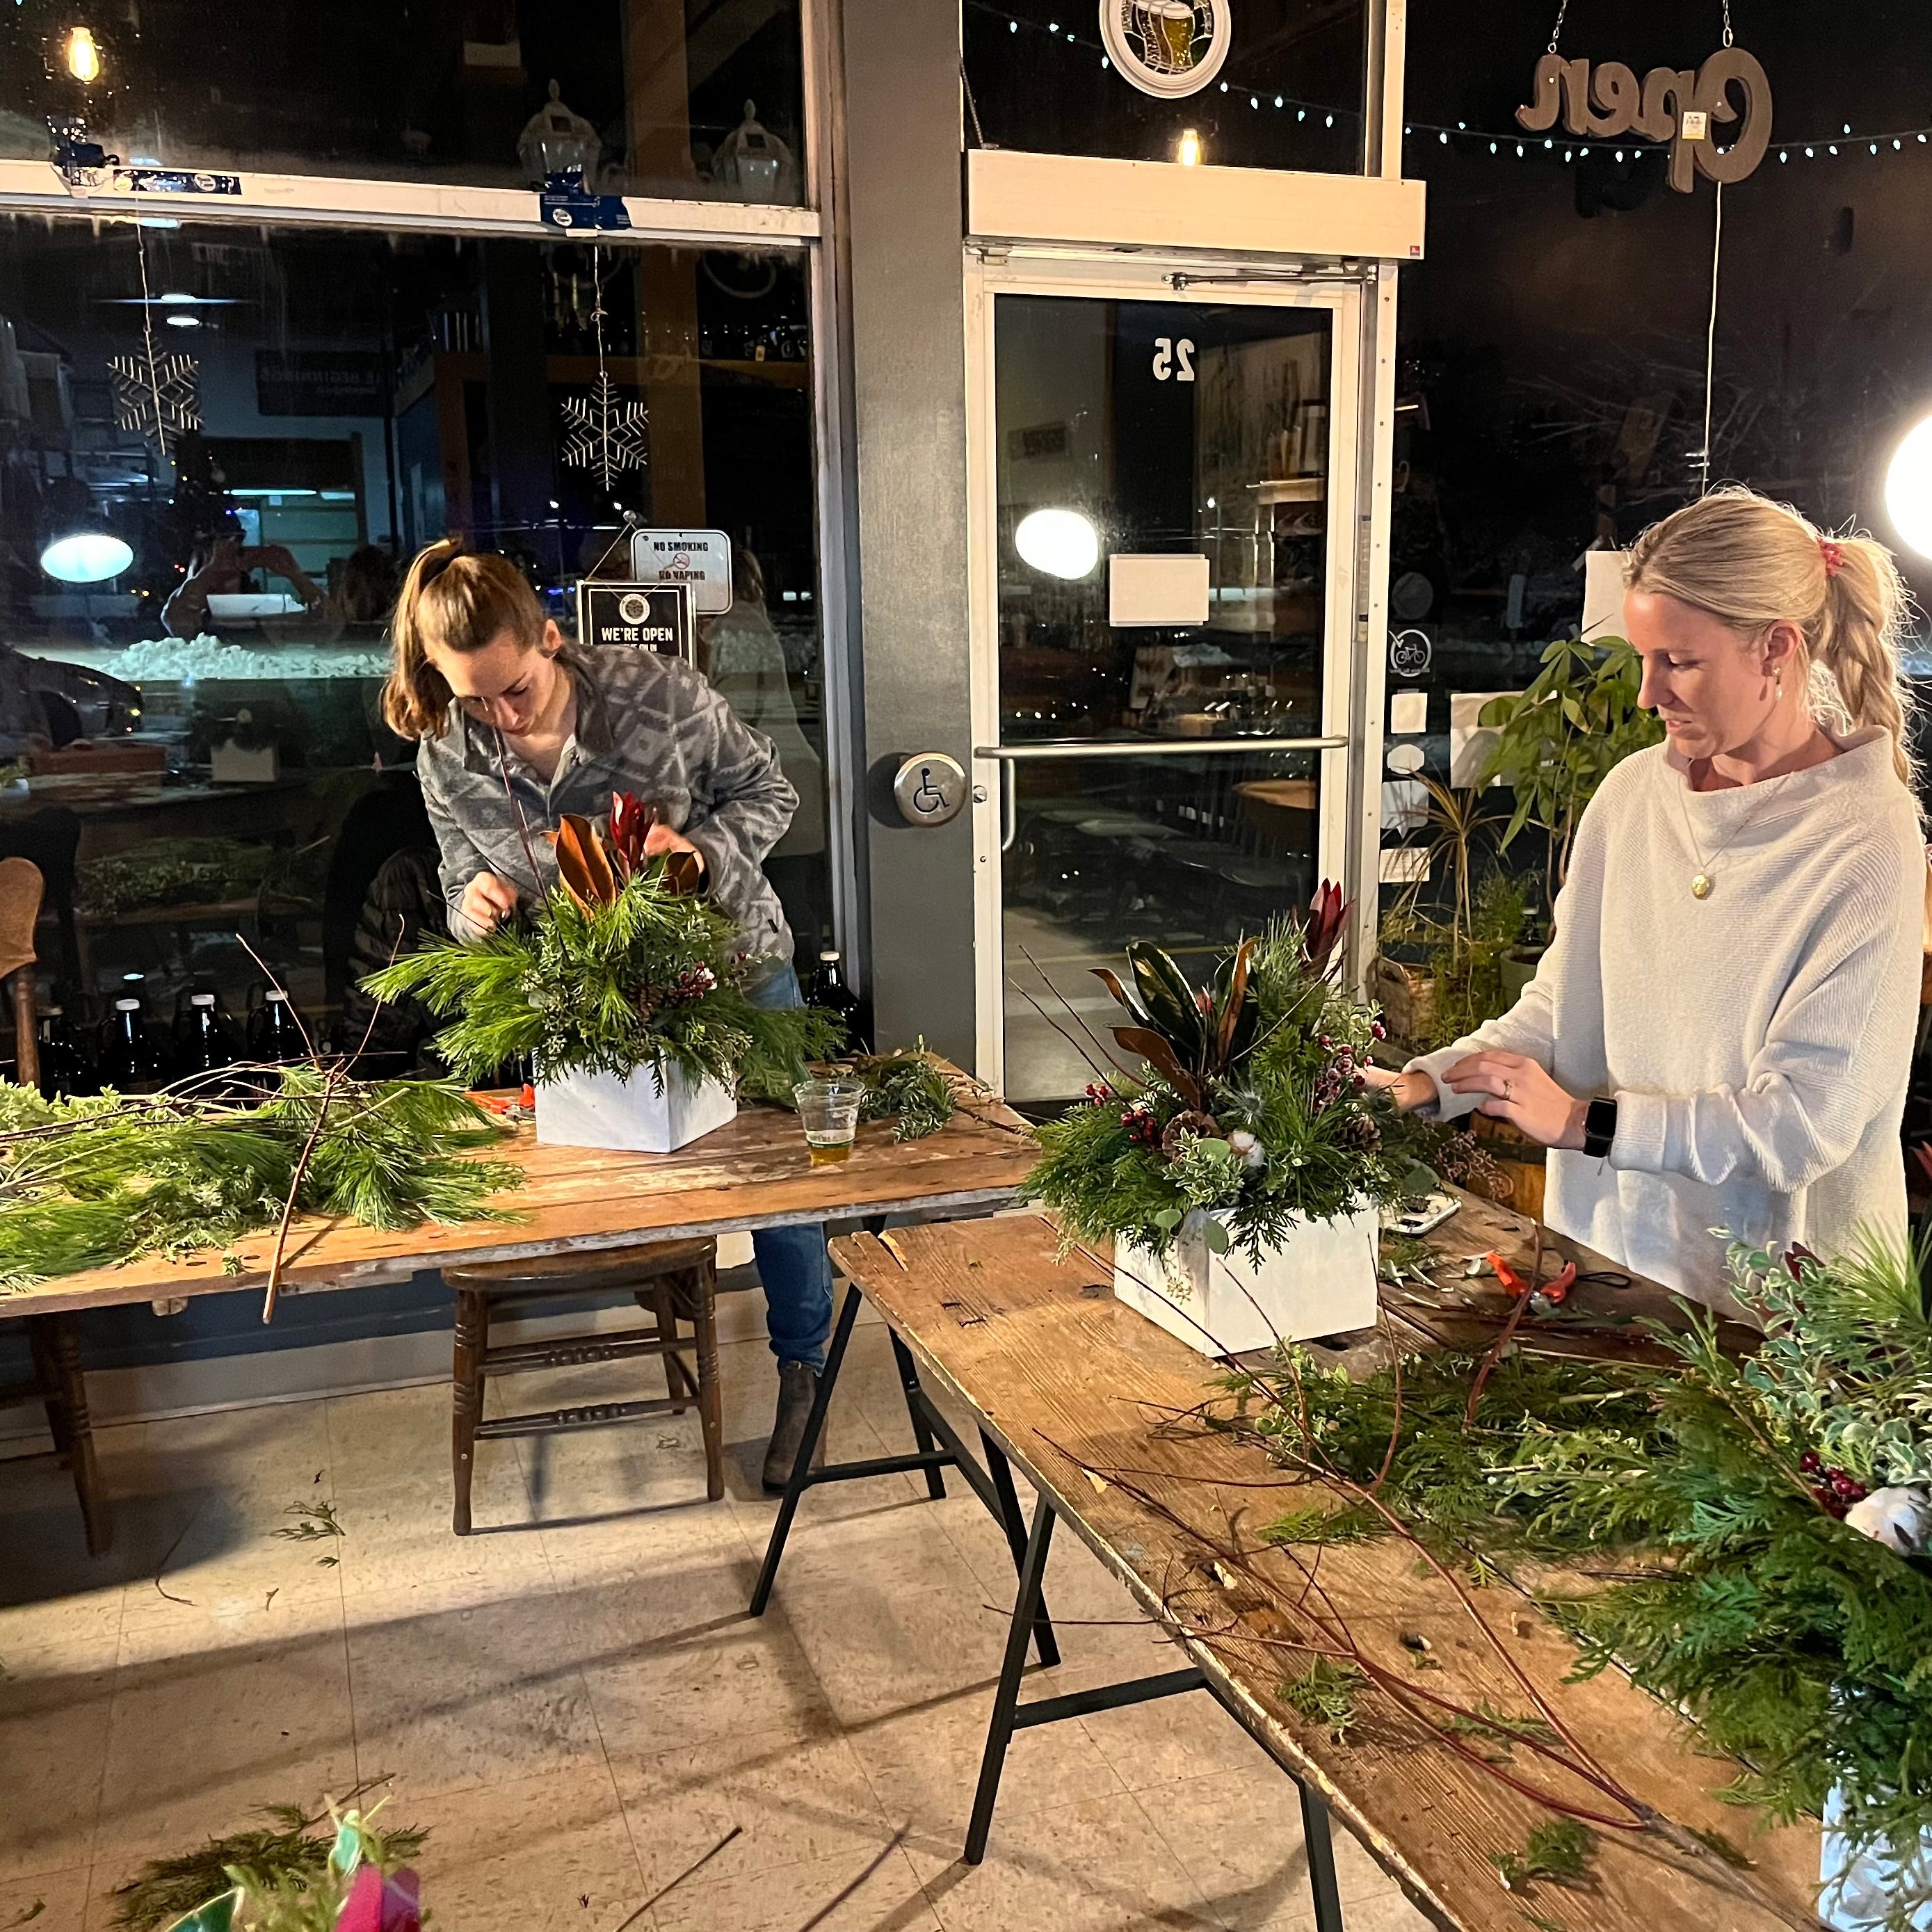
x=1094 y=1403
x=752 y=1173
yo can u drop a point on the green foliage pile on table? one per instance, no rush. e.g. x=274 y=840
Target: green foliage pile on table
x=94 y=1182
x=174 y=872
x=1719 y=1489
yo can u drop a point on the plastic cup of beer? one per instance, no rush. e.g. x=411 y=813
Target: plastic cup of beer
x=828 y=1110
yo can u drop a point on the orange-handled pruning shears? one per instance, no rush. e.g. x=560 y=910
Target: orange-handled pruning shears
x=1554 y=1291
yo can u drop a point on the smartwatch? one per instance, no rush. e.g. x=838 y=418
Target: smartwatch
x=1600 y=1125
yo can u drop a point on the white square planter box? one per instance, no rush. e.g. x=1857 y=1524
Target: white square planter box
x=1320 y=1281
x=636 y=1115
x=229 y=763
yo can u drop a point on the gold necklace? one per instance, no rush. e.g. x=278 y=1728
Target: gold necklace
x=1702 y=882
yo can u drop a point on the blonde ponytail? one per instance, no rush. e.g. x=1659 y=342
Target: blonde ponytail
x=1865 y=602
x=453 y=599
x=1753 y=562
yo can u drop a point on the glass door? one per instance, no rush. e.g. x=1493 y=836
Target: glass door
x=1163 y=486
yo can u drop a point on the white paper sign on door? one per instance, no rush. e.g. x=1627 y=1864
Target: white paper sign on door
x=700 y=558
x=1156 y=589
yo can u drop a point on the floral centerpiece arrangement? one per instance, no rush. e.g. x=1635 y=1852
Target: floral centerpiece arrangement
x=1247 y=1125
x=623 y=987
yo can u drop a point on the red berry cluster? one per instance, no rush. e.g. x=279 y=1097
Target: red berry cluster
x=1340 y=1076
x=1835 y=1492
x=1143 y=1129
x=1099 y=1092
x=693 y=984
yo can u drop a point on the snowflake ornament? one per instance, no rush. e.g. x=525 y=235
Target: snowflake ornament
x=604 y=434
x=158 y=397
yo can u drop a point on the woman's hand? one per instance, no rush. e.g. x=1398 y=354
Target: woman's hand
x=487 y=901
x=661 y=839
x=683 y=875
x=1519 y=1090
x=1408 y=1090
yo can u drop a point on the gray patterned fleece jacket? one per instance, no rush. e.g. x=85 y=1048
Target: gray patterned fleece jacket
x=646 y=725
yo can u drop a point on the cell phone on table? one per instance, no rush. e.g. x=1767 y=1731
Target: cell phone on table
x=1416 y=1215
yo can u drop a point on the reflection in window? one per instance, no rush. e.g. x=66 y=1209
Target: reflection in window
x=1289 y=93
x=238 y=441
x=489 y=92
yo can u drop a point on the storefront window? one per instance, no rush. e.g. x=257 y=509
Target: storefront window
x=1287 y=92
x=649 y=97
x=192 y=682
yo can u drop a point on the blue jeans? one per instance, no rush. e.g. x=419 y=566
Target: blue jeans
x=792 y=1265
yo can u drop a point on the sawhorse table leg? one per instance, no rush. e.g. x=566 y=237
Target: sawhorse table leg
x=940 y=1447
x=1009 y=1715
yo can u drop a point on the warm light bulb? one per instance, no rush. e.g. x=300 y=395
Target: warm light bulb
x=83 y=57
x=1908 y=488
x=1063 y=543
x=1187 y=149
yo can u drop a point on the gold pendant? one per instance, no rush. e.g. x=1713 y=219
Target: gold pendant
x=1700 y=886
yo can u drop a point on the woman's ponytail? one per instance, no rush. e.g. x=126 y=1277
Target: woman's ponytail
x=453 y=599
x=1865 y=599
x=1754 y=563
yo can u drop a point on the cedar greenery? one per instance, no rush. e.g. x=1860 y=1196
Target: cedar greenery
x=650 y=976
x=1717 y=1487
x=1246 y=1114
x=906 y=1088
x=94 y=1182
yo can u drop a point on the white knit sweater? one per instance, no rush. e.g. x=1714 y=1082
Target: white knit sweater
x=1757 y=1041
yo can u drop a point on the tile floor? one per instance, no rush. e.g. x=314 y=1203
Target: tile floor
x=574 y=1701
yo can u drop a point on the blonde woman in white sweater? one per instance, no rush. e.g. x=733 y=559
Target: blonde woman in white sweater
x=1719 y=1034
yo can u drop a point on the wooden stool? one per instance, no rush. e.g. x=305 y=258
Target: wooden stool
x=671 y=1279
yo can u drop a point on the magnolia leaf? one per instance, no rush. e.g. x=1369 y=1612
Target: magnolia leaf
x=1112 y=981
x=1154 y=1048
x=1236 y=998
x=1169 y=998
x=583 y=865
x=683 y=873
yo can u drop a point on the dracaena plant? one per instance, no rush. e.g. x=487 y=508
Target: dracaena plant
x=623 y=966
x=1234 y=1108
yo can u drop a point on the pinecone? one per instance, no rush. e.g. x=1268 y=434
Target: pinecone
x=1203 y=1126
x=1362 y=1136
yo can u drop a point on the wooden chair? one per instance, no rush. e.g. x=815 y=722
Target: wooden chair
x=674 y=1281
x=57 y=1380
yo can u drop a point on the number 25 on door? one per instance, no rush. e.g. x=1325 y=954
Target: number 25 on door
x=1173 y=359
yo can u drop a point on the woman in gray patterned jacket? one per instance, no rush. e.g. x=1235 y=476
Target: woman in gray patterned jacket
x=515 y=728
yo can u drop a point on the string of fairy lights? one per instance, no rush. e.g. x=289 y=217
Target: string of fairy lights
x=1512 y=144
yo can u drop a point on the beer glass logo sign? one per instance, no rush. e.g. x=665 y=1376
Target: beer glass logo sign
x=1166 y=47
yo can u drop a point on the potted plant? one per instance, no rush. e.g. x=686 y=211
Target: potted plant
x=1558 y=740
x=1237 y=1169
x=625 y=990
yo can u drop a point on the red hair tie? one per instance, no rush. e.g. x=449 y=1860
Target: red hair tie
x=1834 y=554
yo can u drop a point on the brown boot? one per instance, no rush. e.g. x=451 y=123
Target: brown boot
x=798 y=1389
